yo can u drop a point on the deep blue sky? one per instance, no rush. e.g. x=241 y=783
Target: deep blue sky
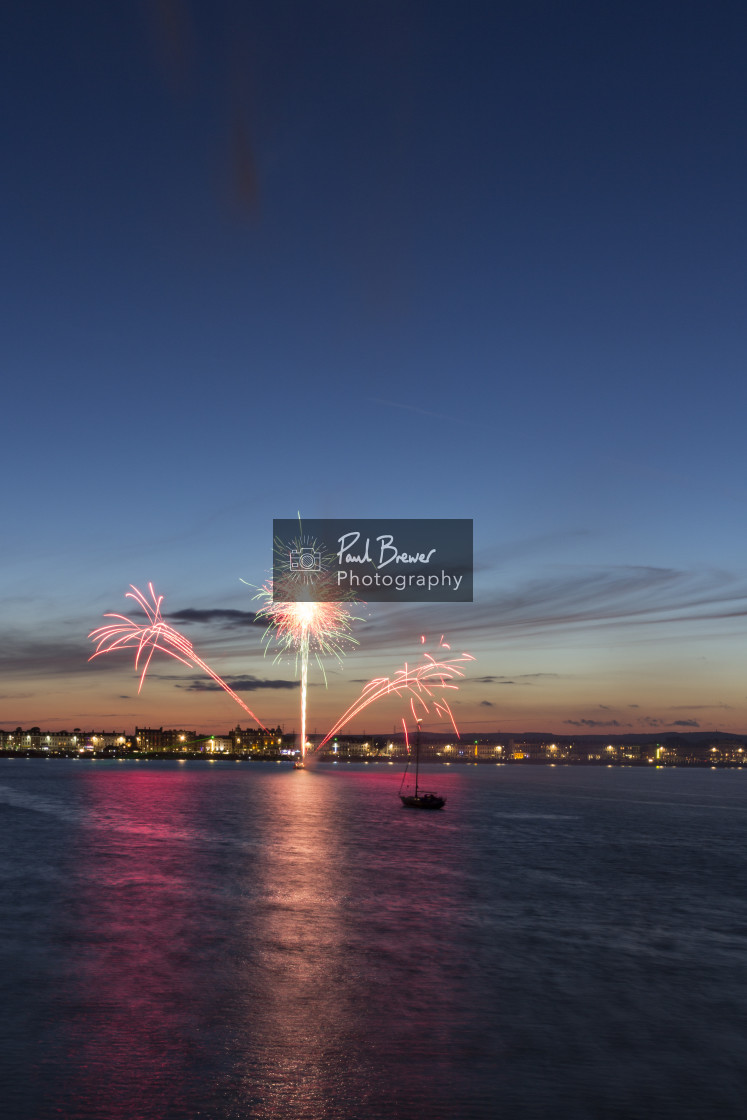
x=380 y=259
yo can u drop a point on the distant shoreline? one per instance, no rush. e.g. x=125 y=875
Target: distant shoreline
x=153 y=756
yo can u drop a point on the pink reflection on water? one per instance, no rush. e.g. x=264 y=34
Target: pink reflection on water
x=128 y=1040
x=262 y=943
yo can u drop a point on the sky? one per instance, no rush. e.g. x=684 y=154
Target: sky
x=392 y=259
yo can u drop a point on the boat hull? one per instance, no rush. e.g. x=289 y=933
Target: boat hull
x=422 y=801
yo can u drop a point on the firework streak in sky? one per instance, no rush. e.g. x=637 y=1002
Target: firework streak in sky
x=156 y=635
x=321 y=628
x=423 y=685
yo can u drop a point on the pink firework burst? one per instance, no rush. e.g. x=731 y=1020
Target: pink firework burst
x=125 y=633
x=423 y=686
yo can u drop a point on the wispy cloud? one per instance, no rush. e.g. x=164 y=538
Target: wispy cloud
x=523 y=678
x=596 y=723
x=238 y=684
x=578 y=600
x=539 y=546
x=32 y=658
x=699 y=707
x=223 y=617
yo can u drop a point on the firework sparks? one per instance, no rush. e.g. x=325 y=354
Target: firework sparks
x=125 y=633
x=423 y=686
x=304 y=628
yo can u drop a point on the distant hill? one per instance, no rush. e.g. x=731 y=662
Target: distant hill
x=685 y=737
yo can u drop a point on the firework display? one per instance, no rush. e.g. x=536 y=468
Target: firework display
x=423 y=687
x=126 y=633
x=304 y=628
x=300 y=629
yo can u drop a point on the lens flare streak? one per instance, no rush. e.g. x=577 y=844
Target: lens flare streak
x=157 y=635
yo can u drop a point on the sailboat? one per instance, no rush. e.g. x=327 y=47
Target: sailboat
x=418 y=799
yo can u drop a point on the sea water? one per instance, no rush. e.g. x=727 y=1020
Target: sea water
x=241 y=940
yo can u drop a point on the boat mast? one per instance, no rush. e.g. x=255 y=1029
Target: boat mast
x=417 y=759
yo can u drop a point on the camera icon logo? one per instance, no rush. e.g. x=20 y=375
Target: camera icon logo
x=305 y=560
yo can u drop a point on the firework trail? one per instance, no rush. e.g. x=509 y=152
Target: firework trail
x=422 y=685
x=301 y=628
x=157 y=635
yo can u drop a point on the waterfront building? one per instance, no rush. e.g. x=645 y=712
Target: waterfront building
x=156 y=739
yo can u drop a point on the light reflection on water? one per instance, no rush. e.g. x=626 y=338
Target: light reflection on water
x=226 y=942
x=292 y=1066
